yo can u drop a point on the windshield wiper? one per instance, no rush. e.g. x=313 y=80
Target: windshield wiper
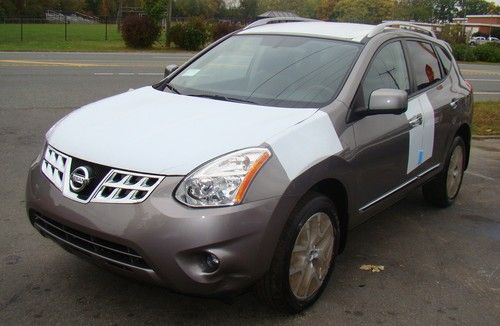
x=172 y=88
x=222 y=98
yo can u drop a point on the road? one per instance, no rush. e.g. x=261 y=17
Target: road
x=485 y=79
x=69 y=80
x=441 y=265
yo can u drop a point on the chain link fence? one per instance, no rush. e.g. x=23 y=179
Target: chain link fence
x=66 y=29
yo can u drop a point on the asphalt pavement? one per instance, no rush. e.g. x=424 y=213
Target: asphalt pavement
x=441 y=265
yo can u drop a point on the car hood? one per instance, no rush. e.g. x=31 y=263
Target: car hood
x=146 y=130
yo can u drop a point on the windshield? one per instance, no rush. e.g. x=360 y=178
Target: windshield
x=271 y=70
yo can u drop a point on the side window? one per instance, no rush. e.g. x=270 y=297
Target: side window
x=445 y=59
x=387 y=70
x=425 y=64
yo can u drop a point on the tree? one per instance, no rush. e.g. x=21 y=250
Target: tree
x=445 y=10
x=418 y=10
x=325 y=9
x=248 y=9
x=473 y=7
x=296 y=6
x=493 y=9
x=70 y=5
x=155 y=9
x=205 y=8
x=365 y=11
x=93 y=6
x=7 y=8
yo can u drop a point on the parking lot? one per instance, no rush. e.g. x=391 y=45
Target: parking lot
x=441 y=266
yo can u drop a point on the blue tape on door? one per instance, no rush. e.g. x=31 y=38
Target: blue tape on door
x=420 y=156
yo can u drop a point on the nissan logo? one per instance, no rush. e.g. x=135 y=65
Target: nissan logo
x=79 y=178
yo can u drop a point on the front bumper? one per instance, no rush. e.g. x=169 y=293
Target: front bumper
x=170 y=237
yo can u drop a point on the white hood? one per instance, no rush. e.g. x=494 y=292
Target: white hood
x=150 y=131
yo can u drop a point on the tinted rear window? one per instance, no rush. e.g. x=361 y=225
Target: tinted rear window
x=425 y=64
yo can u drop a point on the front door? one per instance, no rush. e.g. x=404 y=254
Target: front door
x=382 y=141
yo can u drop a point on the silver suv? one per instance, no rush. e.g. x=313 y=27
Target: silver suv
x=248 y=165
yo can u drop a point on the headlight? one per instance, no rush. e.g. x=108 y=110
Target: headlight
x=223 y=181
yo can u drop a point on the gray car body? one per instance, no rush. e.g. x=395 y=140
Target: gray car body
x=365 y=177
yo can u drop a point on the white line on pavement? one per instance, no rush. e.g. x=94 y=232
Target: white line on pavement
x=480 y=175
x=103 y=73
x=486 y=93
x=150 y=74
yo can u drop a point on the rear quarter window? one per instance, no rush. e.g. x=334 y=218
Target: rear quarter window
x=445 y=59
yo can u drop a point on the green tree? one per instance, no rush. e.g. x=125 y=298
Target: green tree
x=7 y=8
x=418 y=10
x=365 y=11
x=325 y=9
x=155 y=9
x=473 y=7
x=248 y=9
x=445 y=10
x=192 y=8
x=493 y=9
x=296 y=6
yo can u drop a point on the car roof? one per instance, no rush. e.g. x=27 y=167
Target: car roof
x=341 y=31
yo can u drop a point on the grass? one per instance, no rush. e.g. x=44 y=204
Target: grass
x=486 y=120
x=50 y=37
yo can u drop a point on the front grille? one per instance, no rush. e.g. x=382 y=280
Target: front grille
x=111 y=252
x=106 y=185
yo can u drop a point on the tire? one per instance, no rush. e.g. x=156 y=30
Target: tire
x=443 y=189
x=314 y=263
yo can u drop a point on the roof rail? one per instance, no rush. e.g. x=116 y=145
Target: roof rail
x=275 y=20
x=400 y=24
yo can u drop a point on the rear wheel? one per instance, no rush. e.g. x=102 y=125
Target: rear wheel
x=304 y=258
x=443 y=189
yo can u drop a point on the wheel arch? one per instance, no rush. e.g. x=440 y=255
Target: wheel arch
x=464 y=132
x=336 y=192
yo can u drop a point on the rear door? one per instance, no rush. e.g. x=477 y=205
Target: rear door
x=427 y=108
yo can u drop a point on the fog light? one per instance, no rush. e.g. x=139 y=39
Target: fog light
x=211 y=263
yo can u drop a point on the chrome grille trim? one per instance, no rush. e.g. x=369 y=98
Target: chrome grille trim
x=126 y=187
x=55 y=166
x=117 y=187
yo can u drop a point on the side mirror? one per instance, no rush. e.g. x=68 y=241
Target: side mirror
x=170 y=69
x=387 y=101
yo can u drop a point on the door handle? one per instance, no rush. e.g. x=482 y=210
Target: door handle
x=454 y=103
x=415 y=120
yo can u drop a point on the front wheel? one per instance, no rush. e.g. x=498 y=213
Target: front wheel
x=443 y=189
x=305 y=256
